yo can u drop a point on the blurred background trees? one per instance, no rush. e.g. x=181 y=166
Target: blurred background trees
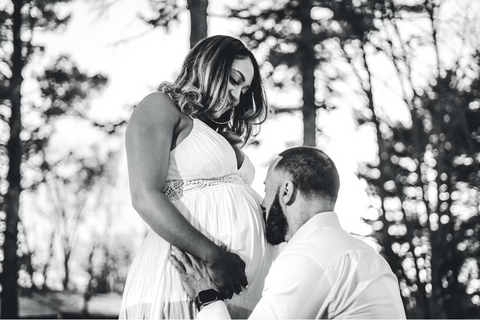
x=165 y=13
x=407 y=72
x=28 y=124
x=424 y=181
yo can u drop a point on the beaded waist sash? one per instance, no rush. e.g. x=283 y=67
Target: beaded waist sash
x=175 y=189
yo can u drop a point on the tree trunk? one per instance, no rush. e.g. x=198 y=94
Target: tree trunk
x=47 y=264
x=9 y=277
x=198 y=19
x=307 y=64
x=386 y=171
x=87 y=295
x=66 y=260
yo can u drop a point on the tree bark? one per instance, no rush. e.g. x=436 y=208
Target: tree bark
x=198 y=19
x=66 y=257
x=9 y=277
x=307 y=65
x=47 y=264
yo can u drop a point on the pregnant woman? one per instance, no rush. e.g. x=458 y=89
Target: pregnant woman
x=190 y=182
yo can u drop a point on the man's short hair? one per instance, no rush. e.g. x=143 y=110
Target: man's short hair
x=312 y=172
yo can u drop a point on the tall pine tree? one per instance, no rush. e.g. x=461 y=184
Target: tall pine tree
x=424 y=182
x=63 y=87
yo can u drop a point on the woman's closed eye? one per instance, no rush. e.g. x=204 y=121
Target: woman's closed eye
x=234 y=81
x=237 y=83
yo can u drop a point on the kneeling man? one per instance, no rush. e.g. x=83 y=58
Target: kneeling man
x=323 y=272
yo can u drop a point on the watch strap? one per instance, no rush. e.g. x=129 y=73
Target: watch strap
x=207 y=297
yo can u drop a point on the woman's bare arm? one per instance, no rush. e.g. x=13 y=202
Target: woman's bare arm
x=149 y=136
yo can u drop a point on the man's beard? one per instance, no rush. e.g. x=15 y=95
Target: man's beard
x=276 y=224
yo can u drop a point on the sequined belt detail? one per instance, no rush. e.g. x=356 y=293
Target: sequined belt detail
x=175 y=189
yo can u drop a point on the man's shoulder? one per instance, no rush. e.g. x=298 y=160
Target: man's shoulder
x=328 y=245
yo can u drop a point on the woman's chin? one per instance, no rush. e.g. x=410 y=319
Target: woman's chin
x=218 y=115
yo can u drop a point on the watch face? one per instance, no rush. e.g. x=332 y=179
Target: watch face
x=208 y=295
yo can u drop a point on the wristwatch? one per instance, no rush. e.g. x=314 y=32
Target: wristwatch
x=206 y=297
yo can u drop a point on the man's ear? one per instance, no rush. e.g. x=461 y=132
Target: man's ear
x=288 y=193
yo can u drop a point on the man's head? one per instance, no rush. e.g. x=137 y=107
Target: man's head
x=300 y=183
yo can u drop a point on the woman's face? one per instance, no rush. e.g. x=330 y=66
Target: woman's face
x=241 y=77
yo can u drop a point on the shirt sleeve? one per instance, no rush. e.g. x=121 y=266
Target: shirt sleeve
x=216 y=310
x=296 y=287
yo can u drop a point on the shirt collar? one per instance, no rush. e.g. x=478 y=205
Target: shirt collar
x=319 y=221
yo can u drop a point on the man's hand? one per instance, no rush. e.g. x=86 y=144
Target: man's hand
x=193 y=272
x=227 y=270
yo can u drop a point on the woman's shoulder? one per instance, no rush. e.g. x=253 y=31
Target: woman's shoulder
x=158 y=101
x=156 y=113
x=157 y=105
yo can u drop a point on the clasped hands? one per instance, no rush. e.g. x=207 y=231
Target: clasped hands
x=224 y=273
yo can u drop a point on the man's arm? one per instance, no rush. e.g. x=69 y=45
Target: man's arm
x=216 y=310
x=195 y=279
x=296 y=287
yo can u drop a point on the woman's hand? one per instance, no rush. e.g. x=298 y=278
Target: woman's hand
x=227 y=271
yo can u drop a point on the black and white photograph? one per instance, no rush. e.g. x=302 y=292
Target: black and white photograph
x=243 y=159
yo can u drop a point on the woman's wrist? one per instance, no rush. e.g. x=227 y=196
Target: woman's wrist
x=212 y=254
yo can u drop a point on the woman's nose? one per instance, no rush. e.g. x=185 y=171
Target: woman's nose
x=235 y=94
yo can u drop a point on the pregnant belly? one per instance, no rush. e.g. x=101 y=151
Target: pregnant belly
x=229 y=215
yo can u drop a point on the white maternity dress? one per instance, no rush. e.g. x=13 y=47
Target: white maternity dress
x=203 y=182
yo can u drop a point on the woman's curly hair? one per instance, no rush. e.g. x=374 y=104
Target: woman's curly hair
x=188 y=98
x=202 y=84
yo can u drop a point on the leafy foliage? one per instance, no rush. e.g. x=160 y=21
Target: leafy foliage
x=287 y=34
x=427 y=200
x=164 y=12
x=424 y=182
x=26 y=128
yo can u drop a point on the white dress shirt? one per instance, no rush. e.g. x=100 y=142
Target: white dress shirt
x=323 y=272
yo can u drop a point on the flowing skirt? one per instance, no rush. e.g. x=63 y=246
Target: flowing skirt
x=227 y=213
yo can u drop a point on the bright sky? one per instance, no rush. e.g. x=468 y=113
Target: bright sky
x=134 y=69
